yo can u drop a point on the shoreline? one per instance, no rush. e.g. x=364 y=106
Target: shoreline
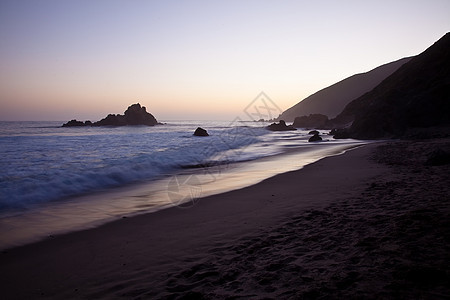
x=333 y=227
x=182 y=189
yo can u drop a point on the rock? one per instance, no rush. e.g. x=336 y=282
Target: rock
x=137 y=115
x=315 y=138
x=112 y=120
x=74 y=123
x=281 y=126
x=200 y=132
x=313 y=132
x=311 y=121
x=134 y=115
x=341 y=133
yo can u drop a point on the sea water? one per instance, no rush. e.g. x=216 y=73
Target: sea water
x=48 y=172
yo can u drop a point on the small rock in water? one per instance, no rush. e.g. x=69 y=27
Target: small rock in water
x=200 y=132
x=315 y=138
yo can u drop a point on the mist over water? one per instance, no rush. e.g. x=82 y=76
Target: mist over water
x=56 y=179
x=43 y=162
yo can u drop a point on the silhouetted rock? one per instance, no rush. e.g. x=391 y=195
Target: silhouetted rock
x=134 y=115
x=137 y=115
x=111 y=120
x=340 y=133
x=315 y=138
x=200 y=132
x=73 y=123
x=311 y=121
x=313 y=132
x=281 y=126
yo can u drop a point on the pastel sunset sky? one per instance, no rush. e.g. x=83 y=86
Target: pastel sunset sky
x=61 y=60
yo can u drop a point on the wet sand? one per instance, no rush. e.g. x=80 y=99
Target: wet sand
x=371 y=223
x=180 y=189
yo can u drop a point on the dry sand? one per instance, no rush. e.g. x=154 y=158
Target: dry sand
x=372 y=223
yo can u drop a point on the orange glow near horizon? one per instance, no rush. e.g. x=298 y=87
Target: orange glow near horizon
x=191 y=61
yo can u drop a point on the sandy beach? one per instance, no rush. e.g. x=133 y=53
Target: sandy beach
x=371 y=223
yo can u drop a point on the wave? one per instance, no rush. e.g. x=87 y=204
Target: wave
x=63 y=163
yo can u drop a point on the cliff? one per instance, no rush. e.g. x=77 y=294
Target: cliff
x=417 y=95
x=331 y=100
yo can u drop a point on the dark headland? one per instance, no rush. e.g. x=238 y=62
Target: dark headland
x=413 y=98
x=331 y=100
x=412 y=101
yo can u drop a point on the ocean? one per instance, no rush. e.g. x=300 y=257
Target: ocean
x=56 y=179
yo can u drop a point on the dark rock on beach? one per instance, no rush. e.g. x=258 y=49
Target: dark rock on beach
x=281 y=126
x=313 y=132
x=200 y=132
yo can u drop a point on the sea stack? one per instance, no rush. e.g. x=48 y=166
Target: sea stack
x=134 y=115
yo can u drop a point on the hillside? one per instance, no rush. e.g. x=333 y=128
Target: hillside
x=417 y=95
x=331 y=101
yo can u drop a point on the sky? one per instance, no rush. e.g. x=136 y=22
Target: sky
x=61 y=59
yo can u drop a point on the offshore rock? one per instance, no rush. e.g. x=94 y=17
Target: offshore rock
x=134 y=115
x=74 y=123
x=281 y=126
x=200 y=132
x=315 y=138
